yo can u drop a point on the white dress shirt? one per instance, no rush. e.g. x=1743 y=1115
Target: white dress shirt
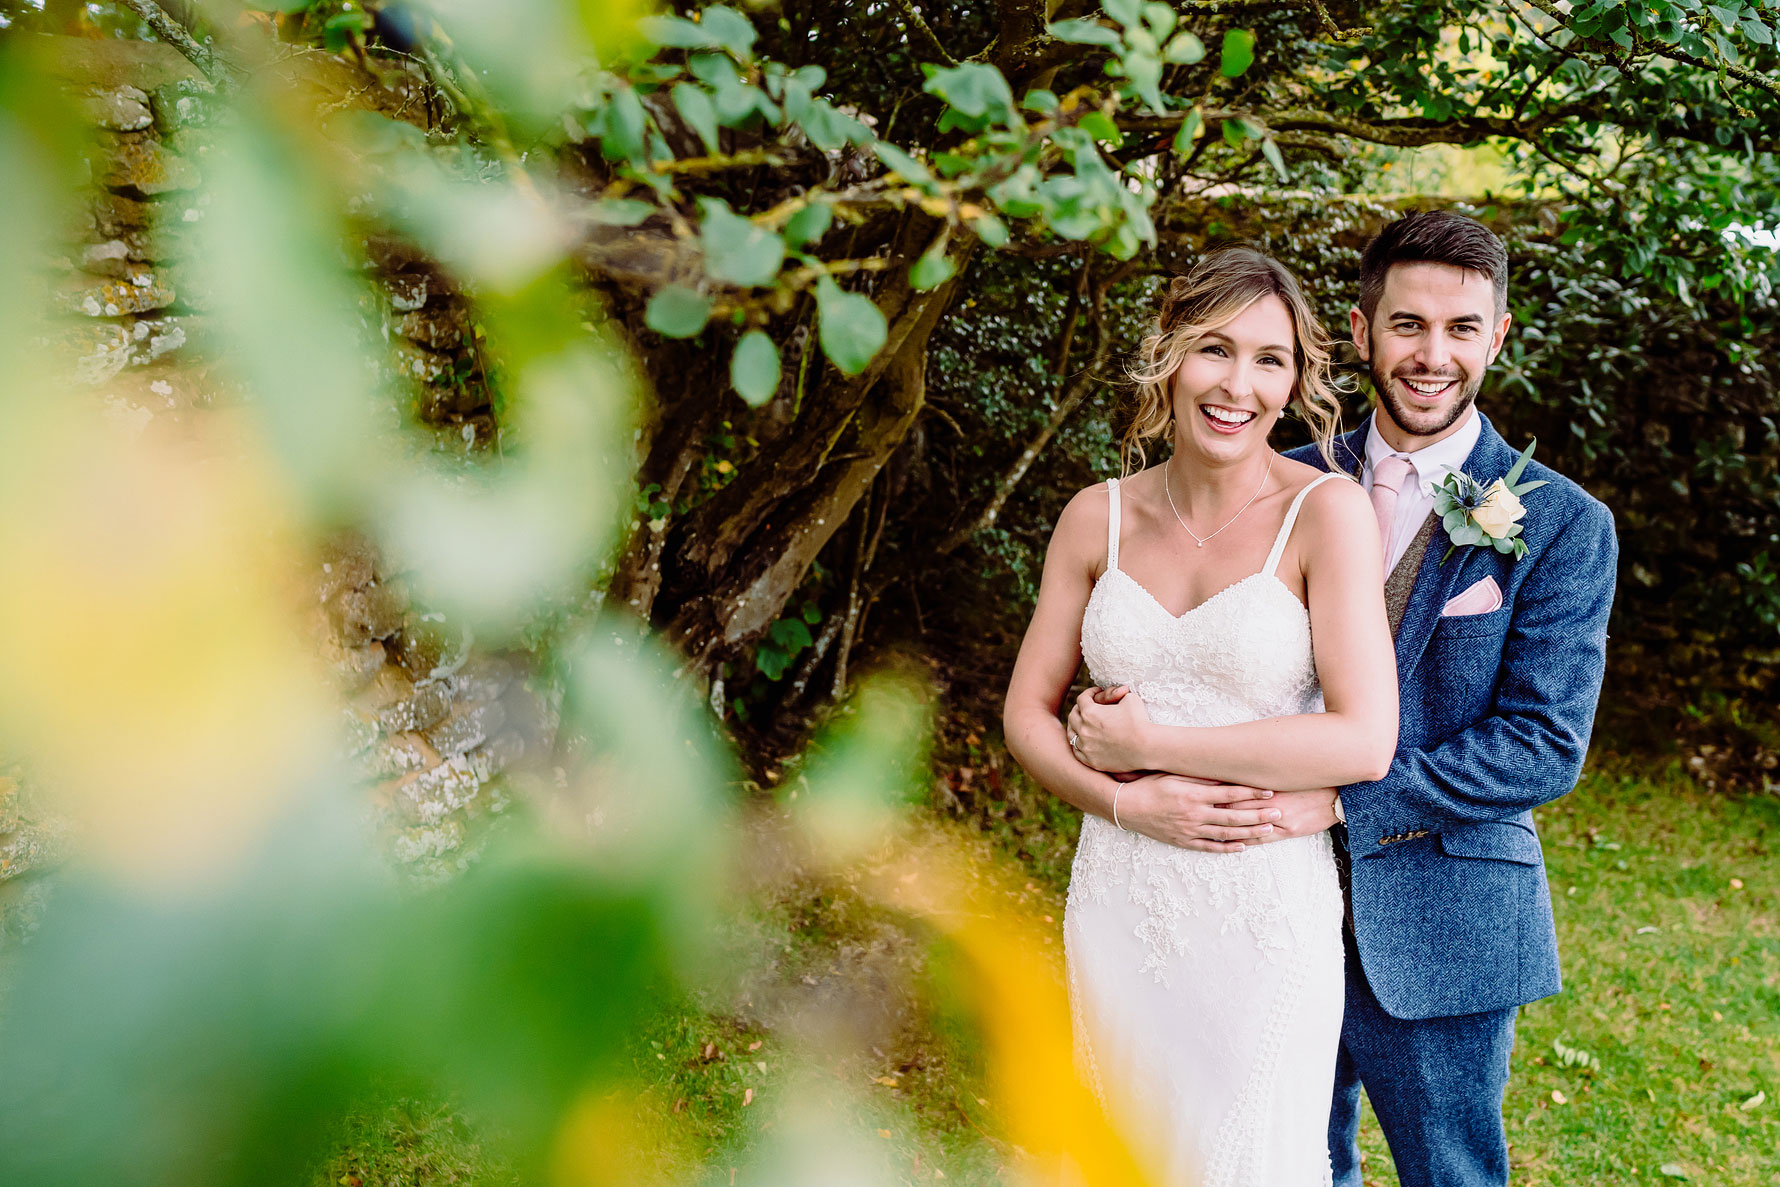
x=1432 y=463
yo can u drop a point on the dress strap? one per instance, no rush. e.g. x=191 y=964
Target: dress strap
x=1112 y=524
x=1285 y=529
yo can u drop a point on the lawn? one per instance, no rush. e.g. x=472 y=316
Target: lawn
x=1660 y=1060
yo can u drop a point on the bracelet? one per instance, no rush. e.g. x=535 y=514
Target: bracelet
x=1117 y=788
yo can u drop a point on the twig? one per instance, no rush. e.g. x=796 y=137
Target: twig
x=176 y=35
x=919 y=30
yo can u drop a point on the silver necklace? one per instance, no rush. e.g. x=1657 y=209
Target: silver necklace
x=1183 y=523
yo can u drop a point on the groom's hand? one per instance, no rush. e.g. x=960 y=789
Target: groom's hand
x=1302 y=813
x=1195 y=814
x=1107 y=729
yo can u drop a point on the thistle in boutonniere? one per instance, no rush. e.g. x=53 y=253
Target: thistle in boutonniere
x=1475 y=514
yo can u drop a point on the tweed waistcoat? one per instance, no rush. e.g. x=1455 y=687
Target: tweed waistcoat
x=1398 y=585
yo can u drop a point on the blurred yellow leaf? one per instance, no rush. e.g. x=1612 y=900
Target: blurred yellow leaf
x=1048 y=1112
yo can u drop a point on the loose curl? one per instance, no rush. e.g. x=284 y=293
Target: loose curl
x=1218 y=288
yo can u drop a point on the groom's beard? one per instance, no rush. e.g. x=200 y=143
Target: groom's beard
x=1424 y=424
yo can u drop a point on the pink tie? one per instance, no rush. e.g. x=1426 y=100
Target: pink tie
x=1387 y=481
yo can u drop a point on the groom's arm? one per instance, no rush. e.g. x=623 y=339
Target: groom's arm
x=1530 y=748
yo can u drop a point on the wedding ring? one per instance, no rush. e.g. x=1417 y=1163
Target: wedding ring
x=1075 y=739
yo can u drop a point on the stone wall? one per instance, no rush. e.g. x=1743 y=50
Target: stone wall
x=432 y=721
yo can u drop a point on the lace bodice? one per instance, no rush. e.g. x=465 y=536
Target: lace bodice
x=1240 y=655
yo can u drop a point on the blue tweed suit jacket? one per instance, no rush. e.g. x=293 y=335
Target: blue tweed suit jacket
x=1451 y=911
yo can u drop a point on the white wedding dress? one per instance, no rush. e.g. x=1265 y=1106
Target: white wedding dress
x=1207 y=987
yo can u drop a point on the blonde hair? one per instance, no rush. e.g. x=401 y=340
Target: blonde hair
x=1218 y=288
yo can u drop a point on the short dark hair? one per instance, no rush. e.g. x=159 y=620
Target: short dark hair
x=1433 y=237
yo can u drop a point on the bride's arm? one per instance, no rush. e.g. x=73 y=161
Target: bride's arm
x=1352 y=742
x=1169 y=808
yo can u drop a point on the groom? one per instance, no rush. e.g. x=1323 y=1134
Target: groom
x=1499 y=665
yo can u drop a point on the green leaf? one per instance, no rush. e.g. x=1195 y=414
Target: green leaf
x=1239 y=128
x=791 y=634
x=1524 y=487
x=696 y=109
x=932 y=270
x=852 y=328
x=1085 y=32
x=1040 y=100
x=1145 y=72
x=809 y=224
x=674 y=33
x=975 y=88
x=736 y=250
x=1756 y=31
x=1270 y=150
x=620 y=125
x=991 y=230
x=1238 y=53
x=1191 y=129
x=1520 y=463
x=621 y=212
x=831 y=129
x=1100 y=126
x=770 y=660
x=754 y=368
x=733 y=31
x=1126 y=12
x=905 y=166
x=811 y=612
x=1184 y=50
x=677 y=312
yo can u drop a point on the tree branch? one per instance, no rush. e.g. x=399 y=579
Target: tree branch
x=1069 y=400
x=177 y=36
x=919 y=31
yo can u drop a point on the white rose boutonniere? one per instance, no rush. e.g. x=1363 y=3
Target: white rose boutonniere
x=1475 y=514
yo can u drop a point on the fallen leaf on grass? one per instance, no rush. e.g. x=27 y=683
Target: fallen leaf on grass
x=1559 y=1097
x=755 y=1045
x=883 y=1133
x=1673 y=1169
x=1736 y=883
x=747 y=1097
x=1755 y=1102
x=886 y=1081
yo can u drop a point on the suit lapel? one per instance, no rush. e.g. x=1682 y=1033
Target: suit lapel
x=1489 y=460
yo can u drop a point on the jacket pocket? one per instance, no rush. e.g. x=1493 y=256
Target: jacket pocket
x=1496 y=840
x=1471 y=626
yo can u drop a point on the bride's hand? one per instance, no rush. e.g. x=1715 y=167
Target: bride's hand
x=1107 y=729
x=1190 y=813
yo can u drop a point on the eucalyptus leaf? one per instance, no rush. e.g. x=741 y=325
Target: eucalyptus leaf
x=1085 y=32
x=808 y=225
x=737 y=251
x=852 y=328
x=754 y=367
x=697 y=110
x=677 y=312
x=932 y=270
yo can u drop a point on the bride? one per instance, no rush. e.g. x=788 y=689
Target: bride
x=1229 y=607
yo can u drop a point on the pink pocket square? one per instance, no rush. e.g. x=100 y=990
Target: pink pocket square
x=1481 y=598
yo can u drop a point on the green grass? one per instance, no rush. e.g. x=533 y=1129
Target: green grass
x=1671 y=985
x=1671 y=989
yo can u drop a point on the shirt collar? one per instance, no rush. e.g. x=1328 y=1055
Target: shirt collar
x=1432 y=462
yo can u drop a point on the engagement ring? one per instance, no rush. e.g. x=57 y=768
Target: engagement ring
x=1075 y=739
